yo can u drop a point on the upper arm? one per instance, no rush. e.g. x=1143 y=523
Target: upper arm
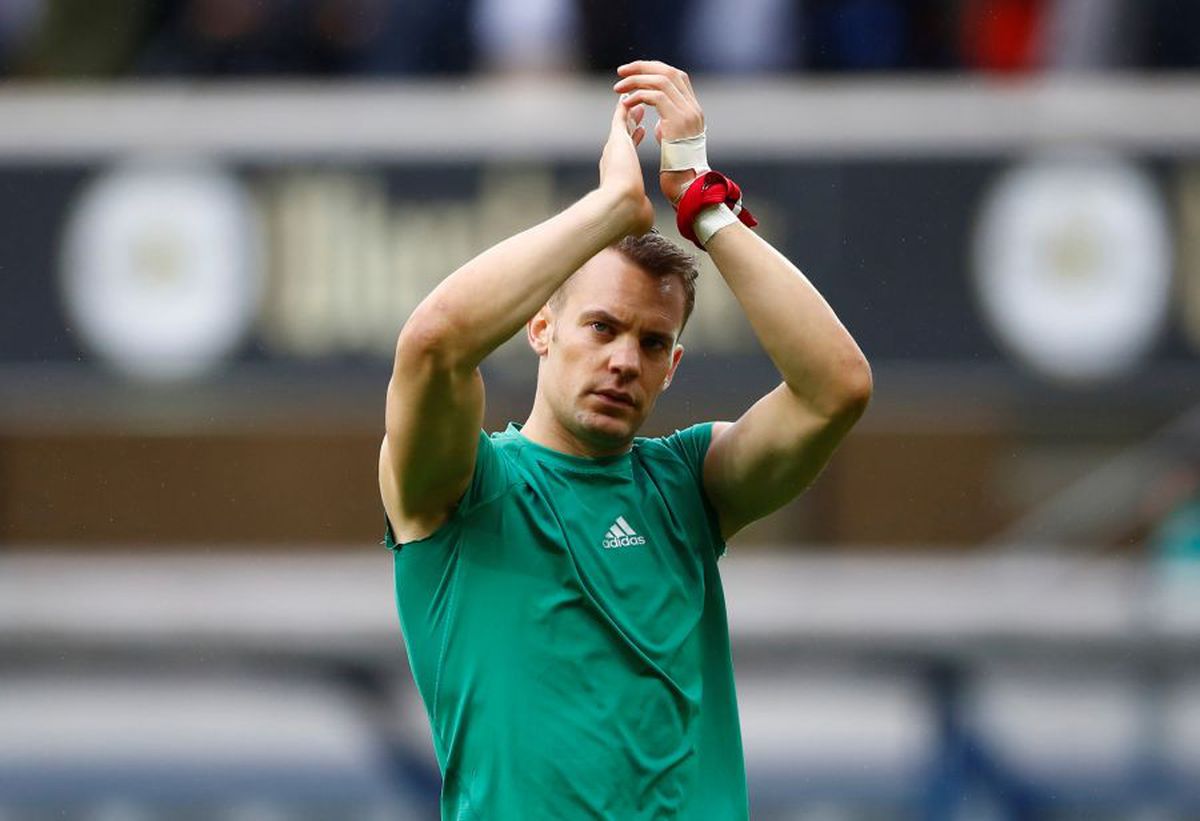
x=767 y=457
x=434 y=413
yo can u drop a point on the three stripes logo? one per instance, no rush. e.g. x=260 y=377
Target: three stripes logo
x=621 y=535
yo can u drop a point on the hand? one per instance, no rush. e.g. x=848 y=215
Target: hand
x=620 y=169
x=650 y=82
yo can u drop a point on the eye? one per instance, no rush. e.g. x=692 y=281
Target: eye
x=600 y=327
x=655 y=344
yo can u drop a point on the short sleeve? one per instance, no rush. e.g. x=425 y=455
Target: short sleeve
x=691 y=445
x=488 y=480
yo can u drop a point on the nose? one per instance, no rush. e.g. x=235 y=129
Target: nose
x=625 y=358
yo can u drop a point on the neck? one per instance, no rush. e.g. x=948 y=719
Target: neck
x=543 y=428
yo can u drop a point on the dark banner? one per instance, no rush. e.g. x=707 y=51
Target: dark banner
x=1062 y=269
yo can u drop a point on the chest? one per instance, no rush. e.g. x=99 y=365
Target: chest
x=634 y=544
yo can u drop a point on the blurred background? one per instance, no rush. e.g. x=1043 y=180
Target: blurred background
x=215 y=215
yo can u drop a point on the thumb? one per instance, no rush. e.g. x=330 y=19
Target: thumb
x=620 y=119
x=627 y=118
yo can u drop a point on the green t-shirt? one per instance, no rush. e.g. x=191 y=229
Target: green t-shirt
x=566 y=630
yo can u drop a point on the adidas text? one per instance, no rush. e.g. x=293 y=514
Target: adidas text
x=621 y=534
x=625 y=541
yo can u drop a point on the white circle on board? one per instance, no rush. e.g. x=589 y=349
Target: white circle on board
x=1072 y=265
x=161 y=269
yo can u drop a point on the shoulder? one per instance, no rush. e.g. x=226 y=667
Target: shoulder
x=493 y=475
x=688 y=444
x=507 y=442
x=679 y=460
x=495 y=459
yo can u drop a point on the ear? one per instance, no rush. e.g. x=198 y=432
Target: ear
x=675 y=357
x=538 y=330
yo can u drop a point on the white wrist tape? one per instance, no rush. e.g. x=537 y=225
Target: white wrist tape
x=686 y=154
x=712 y=219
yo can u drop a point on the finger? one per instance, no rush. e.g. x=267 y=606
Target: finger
x=636 y=115
x=646 y=67
x=619 y=118
x=684 y=101
x=651 y=97
x=657 y=81
x=674 y=121
x=638 y=135
x=677 y=77
x=633 y=114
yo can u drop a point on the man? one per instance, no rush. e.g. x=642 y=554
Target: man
x=557 y=583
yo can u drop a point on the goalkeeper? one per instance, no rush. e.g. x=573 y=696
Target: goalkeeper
x=557 y=581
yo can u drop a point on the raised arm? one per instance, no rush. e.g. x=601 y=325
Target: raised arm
x=435 y=397
x=776 y=448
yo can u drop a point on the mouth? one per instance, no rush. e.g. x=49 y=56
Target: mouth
x=615 y=397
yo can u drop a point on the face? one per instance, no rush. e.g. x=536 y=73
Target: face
x=608 y=349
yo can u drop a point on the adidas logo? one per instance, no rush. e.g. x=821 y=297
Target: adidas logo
x=621 y=535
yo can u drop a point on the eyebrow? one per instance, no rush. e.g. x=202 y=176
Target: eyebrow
x=601 y=315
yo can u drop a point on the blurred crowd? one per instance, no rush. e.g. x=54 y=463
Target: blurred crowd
x=385 y=38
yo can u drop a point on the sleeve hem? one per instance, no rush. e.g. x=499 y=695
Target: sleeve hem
x=714 y=520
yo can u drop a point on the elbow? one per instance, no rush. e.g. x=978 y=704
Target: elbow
x=853 y=392
x=428 y=337
x=841 y=397
x=861 y=387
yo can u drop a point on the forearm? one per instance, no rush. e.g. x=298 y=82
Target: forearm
x=818 y=359
x=482 y=304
